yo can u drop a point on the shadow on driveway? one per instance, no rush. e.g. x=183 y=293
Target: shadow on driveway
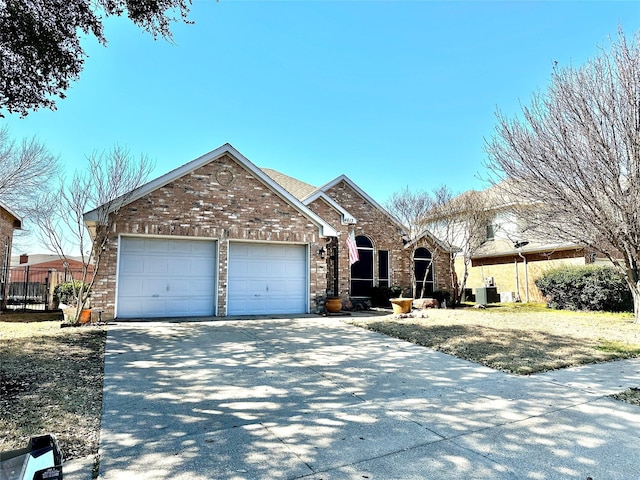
x=317 y=398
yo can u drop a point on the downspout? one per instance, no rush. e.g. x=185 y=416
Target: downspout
x=526 y=276
x=335 y=269
x=517 y=282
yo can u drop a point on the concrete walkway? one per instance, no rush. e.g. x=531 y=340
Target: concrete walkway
x=317 y=398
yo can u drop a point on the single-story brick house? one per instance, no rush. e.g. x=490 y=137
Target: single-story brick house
x=219 y=236
x=9 y=221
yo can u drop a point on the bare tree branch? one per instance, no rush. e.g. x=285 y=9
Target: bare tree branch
x=104 y=187
x=571 y=163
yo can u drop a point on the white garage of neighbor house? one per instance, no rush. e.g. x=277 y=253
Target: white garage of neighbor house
x=215 y=237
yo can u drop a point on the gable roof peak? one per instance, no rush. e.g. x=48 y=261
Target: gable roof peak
x=92 y=216
x=343 y=178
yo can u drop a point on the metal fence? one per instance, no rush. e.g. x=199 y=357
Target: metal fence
x=31 y=288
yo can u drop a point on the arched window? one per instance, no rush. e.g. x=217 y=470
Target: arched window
x=423 y=271
x=362 y=270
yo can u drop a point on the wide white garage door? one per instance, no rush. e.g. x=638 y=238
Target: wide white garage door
x=267 y=279
x=160 y=277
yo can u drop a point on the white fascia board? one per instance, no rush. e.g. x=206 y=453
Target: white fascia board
x=364 y=195
x=434 y=239
x=326 y=230
x=559 y=247
x=347 y=218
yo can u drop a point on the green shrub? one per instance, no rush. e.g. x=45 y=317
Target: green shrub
x=442 y=296
x=63 y=293
x=380 y=295
x=589 y=287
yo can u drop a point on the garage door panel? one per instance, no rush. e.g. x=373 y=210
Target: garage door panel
x=165 y=277
x=277 y=269
x=156 y=246
x=258 y=268
x=136 y=247
x=129 y=285
x=202 y=268
x=277 y=287
x=267 y=279
x=295 y=270
x=131 y=264
x=156 y=265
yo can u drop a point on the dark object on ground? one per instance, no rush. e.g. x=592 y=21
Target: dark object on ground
x=40 y=460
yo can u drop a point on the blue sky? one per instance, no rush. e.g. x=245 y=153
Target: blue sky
x=392 y=94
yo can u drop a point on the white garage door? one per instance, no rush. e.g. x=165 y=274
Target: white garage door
x=165 y=278
x=267 y=279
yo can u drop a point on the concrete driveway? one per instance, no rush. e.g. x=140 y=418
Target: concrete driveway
x=320 y=399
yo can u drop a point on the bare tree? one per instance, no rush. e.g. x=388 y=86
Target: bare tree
x=572 y=162
x=26 y=170
x=410 y=208
x=103 y=188
x=455 y=224
x=460 y=222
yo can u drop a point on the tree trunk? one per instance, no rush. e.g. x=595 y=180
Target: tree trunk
x=635 y=293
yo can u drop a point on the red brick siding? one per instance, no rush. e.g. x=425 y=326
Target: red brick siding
x=374 y=224
x=441 y=271
x=6 y=238
x=384 y=234
x=204 y=204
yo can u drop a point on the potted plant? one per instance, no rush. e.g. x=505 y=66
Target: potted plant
x=333 y=304
x=73 y=300
x=401 y=304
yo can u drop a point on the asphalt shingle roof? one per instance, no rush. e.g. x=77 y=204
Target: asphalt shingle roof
x=294 y=186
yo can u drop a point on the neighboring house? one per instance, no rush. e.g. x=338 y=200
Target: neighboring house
x=32 y=279
x=220 y=236
x=512 y=259
x=69 y=268
x=9 y=221
x=45 y=261
x=509 y=254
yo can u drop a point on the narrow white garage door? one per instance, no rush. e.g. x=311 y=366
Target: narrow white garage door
x=165 y=278
x=267 y=279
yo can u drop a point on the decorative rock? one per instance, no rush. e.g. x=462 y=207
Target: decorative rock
x=423 y=303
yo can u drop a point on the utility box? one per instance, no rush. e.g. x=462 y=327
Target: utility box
x=486 y=295
x=468 y=296
x=507 y=297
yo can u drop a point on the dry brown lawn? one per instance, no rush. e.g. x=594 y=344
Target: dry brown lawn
x=51 y=382
x=51 y=378
x=521 y=339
